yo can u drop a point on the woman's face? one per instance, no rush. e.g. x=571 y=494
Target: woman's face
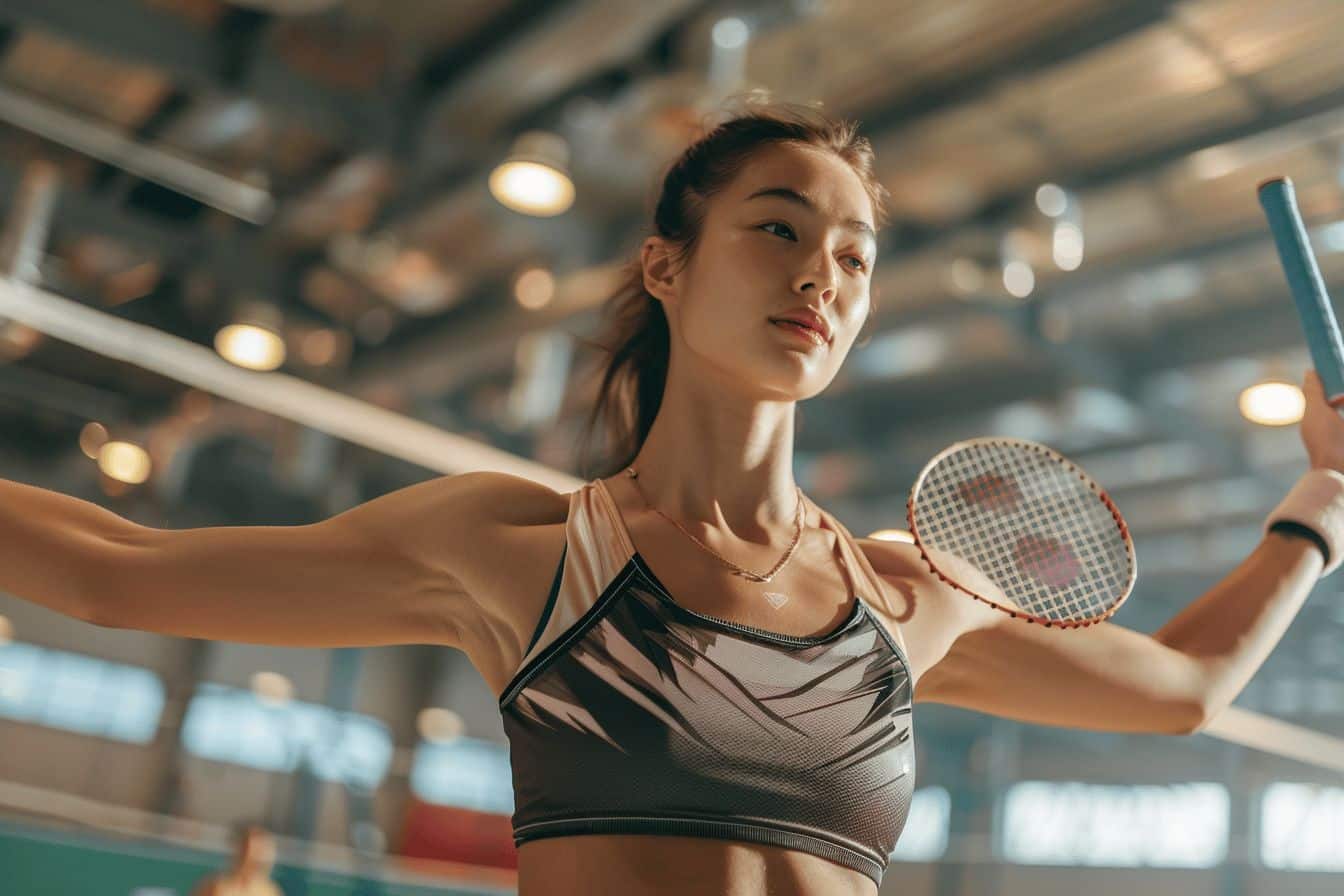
x=762 y=255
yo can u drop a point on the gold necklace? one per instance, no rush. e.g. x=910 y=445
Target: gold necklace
x=775 y=598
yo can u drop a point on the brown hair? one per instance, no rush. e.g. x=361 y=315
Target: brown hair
x=635 y=333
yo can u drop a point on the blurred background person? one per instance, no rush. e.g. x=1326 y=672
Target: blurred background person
x=250 y=872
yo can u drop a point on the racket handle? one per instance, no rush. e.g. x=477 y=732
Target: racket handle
x=1279 y=200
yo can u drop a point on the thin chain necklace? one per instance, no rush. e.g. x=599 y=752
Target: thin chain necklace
x=775 y=598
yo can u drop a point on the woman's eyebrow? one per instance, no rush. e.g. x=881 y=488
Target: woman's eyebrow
x=799 y=199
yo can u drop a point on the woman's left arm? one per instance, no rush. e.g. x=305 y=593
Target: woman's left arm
x=1112 y=678
x=1106 y=677
x=1232 y=628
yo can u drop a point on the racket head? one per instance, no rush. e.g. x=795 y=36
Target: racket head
x=1018 y=526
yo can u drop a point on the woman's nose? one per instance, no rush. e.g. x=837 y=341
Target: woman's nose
x=824 y=285
x=820 y=275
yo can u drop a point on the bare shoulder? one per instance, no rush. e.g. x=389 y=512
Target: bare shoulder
x=509 y=500
x=507 y=532
x=900 y=561
x=930 y=613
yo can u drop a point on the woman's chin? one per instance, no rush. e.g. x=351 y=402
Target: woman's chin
x=795 y=379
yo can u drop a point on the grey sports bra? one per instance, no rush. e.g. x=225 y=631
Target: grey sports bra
x=633 y=714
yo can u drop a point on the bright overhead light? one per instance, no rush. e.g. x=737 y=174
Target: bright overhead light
x=124 y=462
x=272 y=687
x=966 y=275
x=92 y=437
x=1332 y=237
x=730 y=33
x=1019 y=279
x=250 y=346
x=1068 y=246
x=1272 y=404
x=253 y=340
x=1051 y=199
x=534 y=288
x=1214 y=162
x=438 y=725
x=535 y=180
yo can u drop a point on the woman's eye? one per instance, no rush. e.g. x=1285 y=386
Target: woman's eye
x=861 y=266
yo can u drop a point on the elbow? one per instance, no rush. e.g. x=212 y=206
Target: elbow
x=96 y=604
x=97 y=612
x=1199 y=717
x=101 y=587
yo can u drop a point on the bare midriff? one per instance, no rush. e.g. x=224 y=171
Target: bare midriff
x=656 y=865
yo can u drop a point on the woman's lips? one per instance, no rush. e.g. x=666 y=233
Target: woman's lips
x=801 y=331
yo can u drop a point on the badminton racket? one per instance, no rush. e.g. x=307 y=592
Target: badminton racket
x=1022 y=528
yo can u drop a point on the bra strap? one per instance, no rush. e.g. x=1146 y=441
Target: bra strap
x=857 y=559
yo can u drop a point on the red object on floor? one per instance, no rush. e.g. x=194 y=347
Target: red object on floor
x=448 y=833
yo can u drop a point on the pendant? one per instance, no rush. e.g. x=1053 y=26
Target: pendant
x=776 y=599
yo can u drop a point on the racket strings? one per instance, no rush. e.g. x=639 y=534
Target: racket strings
x=1030 y=524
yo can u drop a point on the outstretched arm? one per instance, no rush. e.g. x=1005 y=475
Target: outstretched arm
x=1233 y=628
x=394 y=570
x=1107 y=677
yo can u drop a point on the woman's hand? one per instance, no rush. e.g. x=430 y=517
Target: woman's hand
x=1322 y=428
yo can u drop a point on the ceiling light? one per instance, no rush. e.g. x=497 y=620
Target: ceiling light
x=439 y=725
x=124 y=462
x=534 y=288
x=1272 y=404
x=1051 y=199
x=966 y=275
x=1019 y=279
x=272 y=687
x=535 y=180
x=1332 y=237
x=730 y=33
x=253 y=340
x=1068 y=245
x=92 y=437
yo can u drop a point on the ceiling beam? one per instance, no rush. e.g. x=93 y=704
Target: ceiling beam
x=141 y=34
x=1127 y=164
x=237 y=257
x=1053 y=47
x=945 y=308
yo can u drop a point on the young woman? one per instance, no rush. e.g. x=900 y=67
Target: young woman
x=705 y=678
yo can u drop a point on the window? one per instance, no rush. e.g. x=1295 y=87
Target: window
x=79 y=693
x=467 y=772
x=925 y=836
x=1160 y=826
x=232 y=725
x=1302 y=827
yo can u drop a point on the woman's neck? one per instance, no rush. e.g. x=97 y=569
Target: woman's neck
x=709 y=465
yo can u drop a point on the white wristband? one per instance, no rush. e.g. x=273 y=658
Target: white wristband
x=1317 y=502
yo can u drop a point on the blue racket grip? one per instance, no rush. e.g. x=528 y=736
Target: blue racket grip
x=1279 y=201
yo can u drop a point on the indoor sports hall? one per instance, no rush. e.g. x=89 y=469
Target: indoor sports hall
x=651 y=447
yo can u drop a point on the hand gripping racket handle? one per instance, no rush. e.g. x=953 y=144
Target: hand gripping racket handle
x=1279 y=201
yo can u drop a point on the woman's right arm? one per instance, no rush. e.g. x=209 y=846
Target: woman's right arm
x=394 y=570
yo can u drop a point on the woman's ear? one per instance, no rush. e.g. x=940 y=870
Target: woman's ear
x=660 y=281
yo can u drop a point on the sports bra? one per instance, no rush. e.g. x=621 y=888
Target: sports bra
x=631 y=714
